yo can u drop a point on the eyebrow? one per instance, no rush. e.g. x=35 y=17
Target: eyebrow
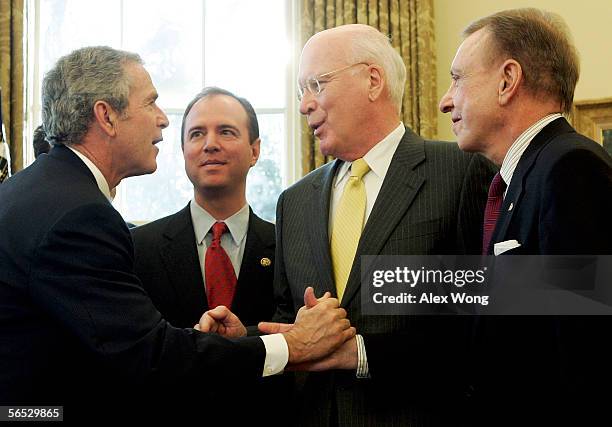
x=152 y=97
x=222 y=126
x=228 y=126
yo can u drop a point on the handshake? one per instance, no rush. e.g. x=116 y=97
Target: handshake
x=321 y=337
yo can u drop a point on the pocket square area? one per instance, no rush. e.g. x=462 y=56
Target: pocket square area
x=501 y=247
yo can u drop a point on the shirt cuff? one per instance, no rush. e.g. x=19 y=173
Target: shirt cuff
x=362 y=359
x=277 y=354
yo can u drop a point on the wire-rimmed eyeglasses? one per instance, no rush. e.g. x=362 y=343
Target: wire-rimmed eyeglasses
x=313 y=84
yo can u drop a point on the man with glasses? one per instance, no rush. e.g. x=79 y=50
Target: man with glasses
x=389 y=192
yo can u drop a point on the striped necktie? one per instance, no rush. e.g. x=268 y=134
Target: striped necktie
x=492 y=209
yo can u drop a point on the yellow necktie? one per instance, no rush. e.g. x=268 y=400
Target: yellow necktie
x=348 y=225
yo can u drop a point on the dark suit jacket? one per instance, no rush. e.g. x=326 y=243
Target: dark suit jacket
x=561 y=196
x=431 y=202
x=76 y=327
x=551 y=369
x=166 y=261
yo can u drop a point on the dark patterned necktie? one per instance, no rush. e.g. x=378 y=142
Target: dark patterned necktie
x=494 y=202
x=220 y=276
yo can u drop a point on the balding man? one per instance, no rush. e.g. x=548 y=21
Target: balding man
x=389 y=192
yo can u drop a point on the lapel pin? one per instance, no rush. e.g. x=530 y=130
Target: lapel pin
x=265 y=262
x=510 y=207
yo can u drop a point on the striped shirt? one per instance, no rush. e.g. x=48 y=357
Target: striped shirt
x=519 y=146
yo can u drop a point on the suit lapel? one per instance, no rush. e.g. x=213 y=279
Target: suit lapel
x=180 y=256
x=317 y=220
x=399 y=189
x=519 y=177
x=255 y=243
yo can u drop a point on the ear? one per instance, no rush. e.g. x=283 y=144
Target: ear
x=255 y=147
x=376 y=82
x=105 y=117
x=510 y=82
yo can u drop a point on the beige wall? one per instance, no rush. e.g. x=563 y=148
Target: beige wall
x=590 y=22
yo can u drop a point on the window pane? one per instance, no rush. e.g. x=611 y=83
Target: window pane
x=148 y=197
x=248 y=59
x=169 y=40
x=66 y=25
x=264 y=182
x=247 y=50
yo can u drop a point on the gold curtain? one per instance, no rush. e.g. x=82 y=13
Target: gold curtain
x=11 y=76
x=410 y=25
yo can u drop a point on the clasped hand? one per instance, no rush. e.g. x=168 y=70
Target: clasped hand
x=321 y=337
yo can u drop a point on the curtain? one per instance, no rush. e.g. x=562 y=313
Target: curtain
x=410 y=25
x=11 y=76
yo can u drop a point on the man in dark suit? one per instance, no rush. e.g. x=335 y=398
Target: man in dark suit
x=512 y=77
x=220 y=142
x=76 y=327
x=420 y=197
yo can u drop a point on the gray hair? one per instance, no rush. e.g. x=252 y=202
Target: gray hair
x=76 y=83
x=375 y=47
x=252 y=123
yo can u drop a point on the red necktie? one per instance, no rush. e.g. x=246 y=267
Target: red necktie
x=494 y=202
x=220 y=276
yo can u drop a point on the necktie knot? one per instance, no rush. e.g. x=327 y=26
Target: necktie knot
x=218 y=229
x=498 y=186
x=359 y=168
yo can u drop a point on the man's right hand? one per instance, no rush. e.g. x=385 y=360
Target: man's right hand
x=320 y=328
x=220 y=320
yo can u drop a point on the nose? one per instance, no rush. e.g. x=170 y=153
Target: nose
x=211 y=144
x=446 y=103
x=163 y=119
x=308 y=103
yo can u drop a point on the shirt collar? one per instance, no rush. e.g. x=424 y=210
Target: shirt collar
x=237 y=224
x=100 y=180
x=519 y=146
x=379 y=157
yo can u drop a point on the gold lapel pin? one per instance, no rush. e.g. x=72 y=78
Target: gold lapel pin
x=265 y=262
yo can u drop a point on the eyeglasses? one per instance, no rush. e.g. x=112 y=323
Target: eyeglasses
x=313 y=84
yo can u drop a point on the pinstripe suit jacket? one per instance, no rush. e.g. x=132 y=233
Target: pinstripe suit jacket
x=431 y=202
